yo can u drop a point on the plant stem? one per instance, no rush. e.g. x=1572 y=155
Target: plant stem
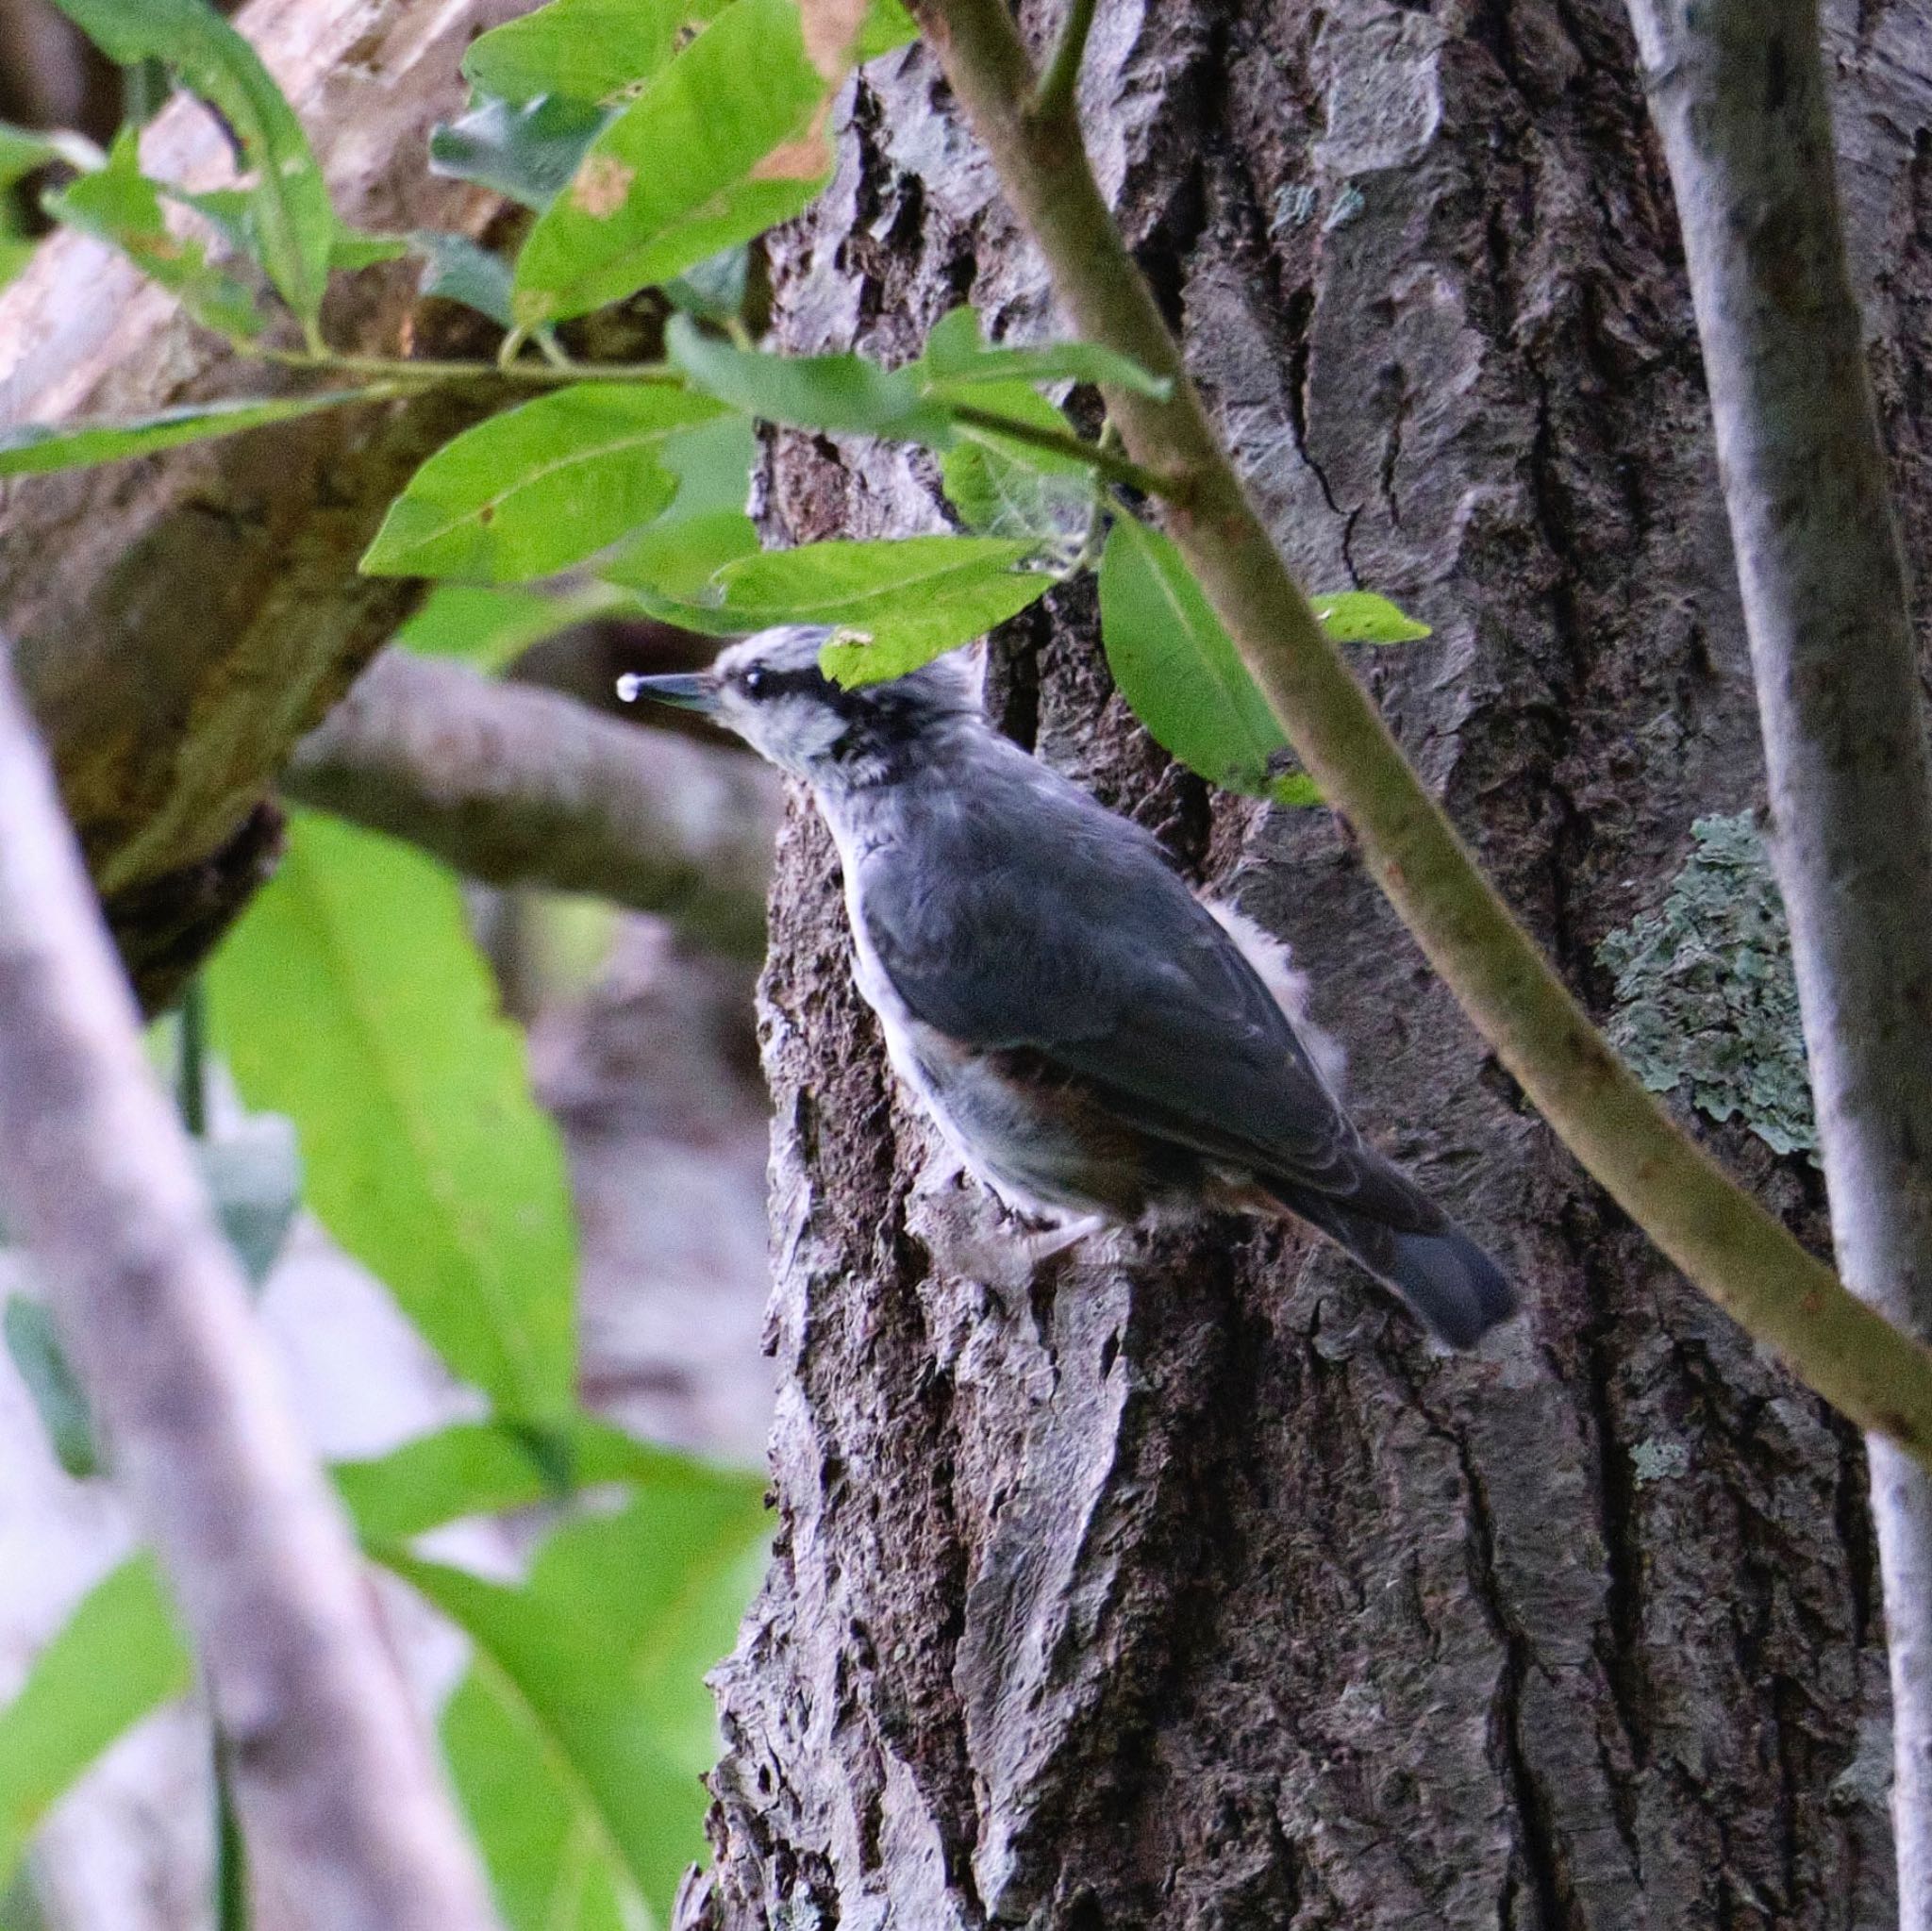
x=1098 y=457
x=1116 y=469
x=539 y=375
x=1720 y=1238
x=231 y=1853
x=190 y=1066
x=1054 y=96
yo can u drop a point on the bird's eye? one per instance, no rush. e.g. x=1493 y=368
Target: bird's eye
x=754 y=680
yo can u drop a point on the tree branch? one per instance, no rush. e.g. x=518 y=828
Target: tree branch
x=1740 y=98
x=1720 y=1238
x=337 y=1783
x=516 y=785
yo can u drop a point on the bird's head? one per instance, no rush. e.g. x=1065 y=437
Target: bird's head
x=770 y=691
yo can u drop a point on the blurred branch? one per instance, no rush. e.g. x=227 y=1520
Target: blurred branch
x=336 y=1782
x=515 y=785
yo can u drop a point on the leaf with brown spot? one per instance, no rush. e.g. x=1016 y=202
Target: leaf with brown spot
x=726 y=140
x=831 y=32
x=809 y=158
x=601 y=186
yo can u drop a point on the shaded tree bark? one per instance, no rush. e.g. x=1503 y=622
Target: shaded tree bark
x=1187 y=1587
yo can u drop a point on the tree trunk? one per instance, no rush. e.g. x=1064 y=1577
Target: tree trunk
x=1190 y=1587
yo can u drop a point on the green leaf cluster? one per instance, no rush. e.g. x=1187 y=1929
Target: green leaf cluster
x=576 y=1739
x=287 y=196
x=654 y=140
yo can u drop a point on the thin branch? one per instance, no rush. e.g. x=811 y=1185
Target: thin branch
x=1055 y=96
x=1742 y=104
x=517 y=786
x=1720 y=1236
x=546 y=374
x=336 y=1784
x=1098 y=457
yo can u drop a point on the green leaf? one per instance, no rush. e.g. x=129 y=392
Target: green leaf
x=456 y=268
x=353 y=249
x=43 y=1365
x=529 y=151
x=23 y=149
x=674 y=558
x=1007 y=488
x=904 y=601
x=807 y=391
x=956 y=359
x=713 y=464
x=35 y=446
x=714 y=288
x=491 y=625
x=293 y=216
x=673 y=567
x=720 y=146
x=117 y=1659
x=351 y=997
x=602 y=1654
x=539 y=487
x=583 y=50
x=1178 y=668
x=484 y=1467
x=886 y=26
x=16 y=251
x=232 y=213
x=119 y=204
x=552 y=1863
x=1359 y=616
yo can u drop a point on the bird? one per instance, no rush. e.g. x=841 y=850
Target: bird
x=1099 y=1045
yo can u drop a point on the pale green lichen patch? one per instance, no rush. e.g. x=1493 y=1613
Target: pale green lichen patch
x=1706 y=1001
x=1658 y=1461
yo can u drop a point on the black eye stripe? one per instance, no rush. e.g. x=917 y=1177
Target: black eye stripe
x=764 y=682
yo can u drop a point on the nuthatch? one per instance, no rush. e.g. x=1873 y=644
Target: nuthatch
x=1096 y=1044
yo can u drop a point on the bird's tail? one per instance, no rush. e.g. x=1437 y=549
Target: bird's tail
x=1448 y=1282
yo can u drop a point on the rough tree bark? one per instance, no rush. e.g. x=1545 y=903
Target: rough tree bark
x=1189 y=1588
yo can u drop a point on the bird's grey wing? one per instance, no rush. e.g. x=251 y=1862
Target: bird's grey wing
x=1061 y=929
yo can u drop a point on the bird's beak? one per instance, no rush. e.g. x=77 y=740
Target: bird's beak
x=692 y=690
